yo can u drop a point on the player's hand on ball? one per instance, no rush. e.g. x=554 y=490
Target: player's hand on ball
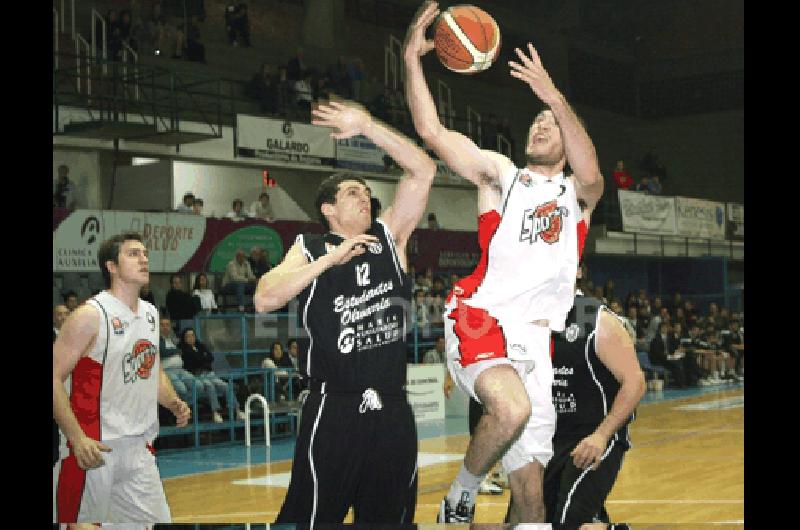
x=88 y=452
x=416 y=44
x=349 y=248
x=531 y=71
x=589 y=451
x=182 y=413
x=351 y=119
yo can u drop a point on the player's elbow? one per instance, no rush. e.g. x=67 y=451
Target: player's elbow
x=266 y=300
x=427 y=170
x=639 y=385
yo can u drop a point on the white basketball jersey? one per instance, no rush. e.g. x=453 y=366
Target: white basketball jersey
x=533 y=255
x=115 y=388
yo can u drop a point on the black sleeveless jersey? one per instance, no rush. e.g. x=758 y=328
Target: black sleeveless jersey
x=583 y=388
x=356 y=316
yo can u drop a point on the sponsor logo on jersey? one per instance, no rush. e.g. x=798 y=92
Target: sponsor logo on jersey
x=543 y=222
x=346 y=341
x=151 y=320
x=375 y=248
x=484 y=355
x=116 y=323
x=139 y=362
x=572 y=332
x=563 y=370
x=518 y=348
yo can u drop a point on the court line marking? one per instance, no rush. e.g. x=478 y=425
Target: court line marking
x=677 y=501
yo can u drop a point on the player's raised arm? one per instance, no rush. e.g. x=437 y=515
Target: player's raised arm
x=453 y=148
x=578 y=147
x=411 y=196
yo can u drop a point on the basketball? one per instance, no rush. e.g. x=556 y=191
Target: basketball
x=467 y=39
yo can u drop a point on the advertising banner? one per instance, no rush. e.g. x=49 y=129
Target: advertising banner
x=424 y=385
x=648 y=214
x=700 y=218
x=283 y=140
x=171 y=238
x=360 y=154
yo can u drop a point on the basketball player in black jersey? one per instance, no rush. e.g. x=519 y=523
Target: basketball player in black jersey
x=357 y=442
x=597 y=384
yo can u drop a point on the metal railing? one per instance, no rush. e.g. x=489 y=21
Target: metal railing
x=72 y=13
x=87 y=60
x=97 y=17
x=127 y=50
x=264 y=404
x=56 y=35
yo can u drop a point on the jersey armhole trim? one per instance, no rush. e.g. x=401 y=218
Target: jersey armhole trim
x=392 y=249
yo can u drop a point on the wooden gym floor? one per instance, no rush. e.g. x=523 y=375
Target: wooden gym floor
x=686 y=467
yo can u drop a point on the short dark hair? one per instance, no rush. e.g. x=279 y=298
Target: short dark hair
x=199 y=201
x=68 y=294
x=289 y=343
x=109 y=251
x=239 y=201
x=326 y=193
x=264 y=194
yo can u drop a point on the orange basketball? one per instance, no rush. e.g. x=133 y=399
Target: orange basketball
x=467 y=39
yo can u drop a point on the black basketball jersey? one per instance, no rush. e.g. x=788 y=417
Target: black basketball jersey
x=583 y=388
x=355 y=315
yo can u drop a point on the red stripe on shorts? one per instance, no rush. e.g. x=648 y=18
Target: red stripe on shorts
x=480 y=336
x=71 y=482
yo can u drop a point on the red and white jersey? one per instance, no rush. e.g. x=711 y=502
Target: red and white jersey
x=115 y=388
x=533 y=254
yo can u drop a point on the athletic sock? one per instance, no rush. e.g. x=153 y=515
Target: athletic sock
x=464 y=482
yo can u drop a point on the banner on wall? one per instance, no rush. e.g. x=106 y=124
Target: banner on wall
x=246 y=238
x=171 y=238
x=648 y=214
x=360 y=154
x=424 y=385
x=283 y=140
x=735 y=228
x=700 y=218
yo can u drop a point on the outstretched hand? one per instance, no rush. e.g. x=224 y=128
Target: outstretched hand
x=351 y=119
x=532 y=72
x=350 y=248
x=416 y=44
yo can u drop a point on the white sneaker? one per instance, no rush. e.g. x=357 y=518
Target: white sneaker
x=488 y=487
x=241 y=415
x=218 y=418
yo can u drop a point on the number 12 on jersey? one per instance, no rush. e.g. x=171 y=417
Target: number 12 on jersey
x=362 y=274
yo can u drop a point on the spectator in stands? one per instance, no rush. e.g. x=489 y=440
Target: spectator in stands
x=113 y=36
x=64 y=193
x=437 y=287
x=239 y=278
x=146 y=294
x=160 y=35
x=339 y=79
x=651 y=164
x=689 y=311
x=622 y=178
x=684 y=352
x=187 y=206
x=355 y=71
x=435 y=355
x=262 y=209
x=264 y=88
x=126 y=30
x=280 y=361
x=733 y=342
x=285 y=91
x=680 y=317
x=237 y=23
x=657 y=305
x=719 y=361
x=71 y=300
x=172 y=362
x=199 y=361
x=293 y=348
x=195 y=49
x=303 y=94
x=419 y=309
x=237 y=213
x=60 y=314
x=600 y=294
x=643 y=185
x=296 y=67
x=259 y=261
x=724 y=318
x=433 y=224
x=425 y=281
x=608 y=290
x=654 y=187
x=197 y=206
x=435 y=303
x=202 y=290
x=665 y=351
x=180 y=304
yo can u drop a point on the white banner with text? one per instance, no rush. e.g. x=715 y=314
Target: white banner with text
x=647 y=214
